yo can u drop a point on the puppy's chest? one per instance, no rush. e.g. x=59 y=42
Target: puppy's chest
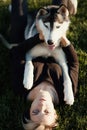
x=43 y=50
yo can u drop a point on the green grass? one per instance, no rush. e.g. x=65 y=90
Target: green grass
x=11 y=107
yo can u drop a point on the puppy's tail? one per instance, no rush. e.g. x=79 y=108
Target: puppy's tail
x=6 y=43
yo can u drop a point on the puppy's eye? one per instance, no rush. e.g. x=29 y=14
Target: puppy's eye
x=46 y=25
x=35 y=112
x=57 y=26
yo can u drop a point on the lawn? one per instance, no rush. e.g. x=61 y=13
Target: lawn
x=11 y=107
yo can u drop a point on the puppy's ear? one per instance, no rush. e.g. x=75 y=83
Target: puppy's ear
x=63 y=11
x=43 y=12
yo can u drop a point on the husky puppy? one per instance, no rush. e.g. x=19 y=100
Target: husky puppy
x=52 y=23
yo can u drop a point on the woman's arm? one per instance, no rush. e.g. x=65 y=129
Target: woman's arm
x=26 y=45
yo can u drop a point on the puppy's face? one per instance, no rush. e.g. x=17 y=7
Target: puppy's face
x=52 y=23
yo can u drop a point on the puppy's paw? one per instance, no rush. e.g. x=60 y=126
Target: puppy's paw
x=28 y=83
x=68 y=93
x=64 y=42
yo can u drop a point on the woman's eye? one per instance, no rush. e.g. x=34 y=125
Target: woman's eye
x=35 y=112
x=57 y=26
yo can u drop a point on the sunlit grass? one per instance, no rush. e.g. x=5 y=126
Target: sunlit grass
x=11 y=107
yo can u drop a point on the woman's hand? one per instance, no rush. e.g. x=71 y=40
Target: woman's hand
x=64 y=42
x=41 y=37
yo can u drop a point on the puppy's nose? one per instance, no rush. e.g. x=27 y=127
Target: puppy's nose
x=50 y=42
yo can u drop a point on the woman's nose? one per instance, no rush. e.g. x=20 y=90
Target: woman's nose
x=41 y=103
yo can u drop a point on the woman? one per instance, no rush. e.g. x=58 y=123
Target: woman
x=47 y=89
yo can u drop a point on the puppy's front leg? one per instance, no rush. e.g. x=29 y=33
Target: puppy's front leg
x=38 y=50
x=28 y=72
x=68 y=92
x=28 y=75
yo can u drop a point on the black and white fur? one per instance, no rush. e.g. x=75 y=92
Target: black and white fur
x=52 y=23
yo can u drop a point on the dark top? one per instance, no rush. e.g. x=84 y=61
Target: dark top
x=44 y=69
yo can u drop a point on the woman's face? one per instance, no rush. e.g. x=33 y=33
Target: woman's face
x=42 y=111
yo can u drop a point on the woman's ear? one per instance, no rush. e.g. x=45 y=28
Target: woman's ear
x=55 y=115
x=56 y=119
